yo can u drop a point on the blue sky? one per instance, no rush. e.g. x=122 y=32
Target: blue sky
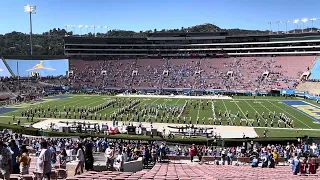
x=150 y=14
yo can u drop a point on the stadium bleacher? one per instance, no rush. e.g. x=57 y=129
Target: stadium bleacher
x=246 y=73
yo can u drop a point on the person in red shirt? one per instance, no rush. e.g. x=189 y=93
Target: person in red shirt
x=193 y=151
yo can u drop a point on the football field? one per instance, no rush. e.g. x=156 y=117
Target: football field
x=304 y=113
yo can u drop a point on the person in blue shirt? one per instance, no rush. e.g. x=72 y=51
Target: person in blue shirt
x=104 y=145
x=265 y=160
x=305 y=147
x=53 y=155
x=295 y=164
x=254 y=162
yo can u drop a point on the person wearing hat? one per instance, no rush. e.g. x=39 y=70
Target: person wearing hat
x=5 y=162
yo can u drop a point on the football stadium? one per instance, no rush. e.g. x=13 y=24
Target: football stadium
x=175 y=104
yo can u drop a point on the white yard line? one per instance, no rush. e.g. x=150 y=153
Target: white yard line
x=198 y=110
x=225 y=105
x=290 y=114
x=256 y=112
x=213 y=110
x=311 y=104
x=240 y=110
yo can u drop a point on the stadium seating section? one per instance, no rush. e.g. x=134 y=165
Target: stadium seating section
x=242 y=73
x=173 y=171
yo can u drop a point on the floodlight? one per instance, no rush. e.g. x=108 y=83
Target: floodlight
x=30 y=10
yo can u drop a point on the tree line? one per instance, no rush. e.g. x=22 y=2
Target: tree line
x=51 y=43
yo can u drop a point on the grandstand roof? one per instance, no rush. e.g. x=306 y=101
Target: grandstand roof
x=135 y=40
x=189 y=34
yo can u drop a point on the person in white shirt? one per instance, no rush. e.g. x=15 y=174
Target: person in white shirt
x=80 y=159
x=109 y=155
x=69 y=154
x=44 y=161
x=119 y=161
x=314 y=150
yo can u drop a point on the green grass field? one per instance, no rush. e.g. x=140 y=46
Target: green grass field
x=304 y=124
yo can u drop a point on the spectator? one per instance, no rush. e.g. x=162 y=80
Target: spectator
x=154 y=155
x=119 y=161
x=5 y=162
x=255 y=162
x=265 y=159
x=80 y=159
x=145 y=155
x=275 y=156
x=295 y=164
x=53 y=155
x=88 y=158
x=193 y=151
x=314 y=150
x=63 y=159
x=44 y=161
x=24 y=161
x=229 y=156
x=272 y=161
x=14 y=149
x=109 y=155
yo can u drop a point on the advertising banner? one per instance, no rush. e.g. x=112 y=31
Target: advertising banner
x=24 y=68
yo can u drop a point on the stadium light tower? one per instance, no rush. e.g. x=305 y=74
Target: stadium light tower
x=80 y=27
x=30 y=10
x=270 y=24
x=278 y=22
x=100 y=28
x=87 y=28
x=296 y=21
x=304 y=20
x=107 y=27
x=74 y=29
x=94 y=30
x=286 y=22
x=66 y=26
x=312 y=19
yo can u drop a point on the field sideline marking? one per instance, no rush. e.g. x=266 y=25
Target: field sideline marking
x=291 y=114
x=16 y=111
x=225 y=106
x=290 y=129
x=257 y=99
x=198 y=110
x=257 y=112
x=311 y=104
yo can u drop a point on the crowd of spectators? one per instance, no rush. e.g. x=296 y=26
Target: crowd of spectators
x=243 y=73
x=17 y=152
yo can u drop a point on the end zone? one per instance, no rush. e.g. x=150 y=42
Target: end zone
x=306 y=108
